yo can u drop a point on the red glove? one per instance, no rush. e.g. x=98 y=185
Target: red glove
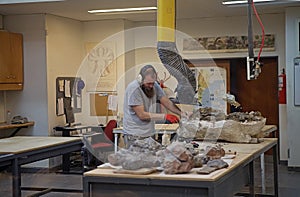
x=172 y=118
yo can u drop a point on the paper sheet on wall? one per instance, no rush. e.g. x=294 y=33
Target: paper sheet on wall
x=112 y=102
x=61 y=85
x=211 y=83
x=78 y=102
x=72 y=102
x=60 y=106
x=67 y=88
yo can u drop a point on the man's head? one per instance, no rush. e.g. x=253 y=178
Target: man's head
x=148 y=77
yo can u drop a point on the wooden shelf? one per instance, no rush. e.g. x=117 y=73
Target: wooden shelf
x=14 y=126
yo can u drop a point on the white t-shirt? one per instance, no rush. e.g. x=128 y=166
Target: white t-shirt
x=135 y=96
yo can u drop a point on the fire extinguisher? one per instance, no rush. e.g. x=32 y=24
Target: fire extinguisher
x=282 y=87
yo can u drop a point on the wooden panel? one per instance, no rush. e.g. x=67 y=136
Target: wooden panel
x=11 y=86
x=260 y=94
x=11 y=60
x=13 y=126
x=99 y=105
x=16 y=51
x=4 y=53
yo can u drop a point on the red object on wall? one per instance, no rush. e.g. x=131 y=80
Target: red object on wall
x=282 y=88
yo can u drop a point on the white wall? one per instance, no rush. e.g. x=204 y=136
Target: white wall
x=146 y=51
x=101 y=32
x=293 y=112
x=236 y=26
x=64 y=56
x=32 y=101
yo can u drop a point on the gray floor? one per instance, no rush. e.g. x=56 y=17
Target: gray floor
x=288 y=182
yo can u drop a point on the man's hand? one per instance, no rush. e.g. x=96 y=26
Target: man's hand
x=172 y=118
x=186 y=115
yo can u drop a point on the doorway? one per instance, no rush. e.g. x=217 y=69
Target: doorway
x=255 y=95
x=260 y=94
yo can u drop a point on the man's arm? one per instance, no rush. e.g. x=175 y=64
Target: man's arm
x=147 y=116
x=167 y=103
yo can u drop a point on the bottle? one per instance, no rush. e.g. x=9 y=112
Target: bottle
x=165 y=139
x=8 y=117
x=119 y=120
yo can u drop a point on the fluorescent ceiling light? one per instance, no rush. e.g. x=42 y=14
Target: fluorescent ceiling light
x=25 y=1
x=129 y=10
x=244 y=1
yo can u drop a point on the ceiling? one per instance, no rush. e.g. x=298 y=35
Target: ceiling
x=77 y=9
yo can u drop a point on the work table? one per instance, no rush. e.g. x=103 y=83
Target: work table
x=224 y=182
x=19 y=150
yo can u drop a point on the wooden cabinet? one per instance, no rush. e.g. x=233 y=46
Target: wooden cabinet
x=11 y=61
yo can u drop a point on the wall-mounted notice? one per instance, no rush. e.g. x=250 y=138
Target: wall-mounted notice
x=297 y=80
x=68 y=94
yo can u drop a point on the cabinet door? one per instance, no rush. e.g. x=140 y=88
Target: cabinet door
x=4 y=57
x=11 y=61
x=16 y=58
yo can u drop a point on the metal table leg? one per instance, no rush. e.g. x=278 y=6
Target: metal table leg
x=16 y=173
x=262 y=171
x=86 y=187
x=116 y=142
x=275 y=170
x=251 y=181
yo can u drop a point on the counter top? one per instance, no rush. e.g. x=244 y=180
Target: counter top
x=13 y=126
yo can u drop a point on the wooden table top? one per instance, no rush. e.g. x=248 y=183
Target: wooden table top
x=191 y=176
x=245 y=153
x=19 y=144
x=13 y=126
x=167 y=127
x=163 y=127
x=245 y=148
x=269 y=128
x=172 y=127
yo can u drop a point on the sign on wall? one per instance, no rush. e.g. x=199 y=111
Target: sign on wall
x=211 y=84
x=225 y=44
x=102 y=71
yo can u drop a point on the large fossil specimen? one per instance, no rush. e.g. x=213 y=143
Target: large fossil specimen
x=140 y=155
x=210 y=124
x=176 y=159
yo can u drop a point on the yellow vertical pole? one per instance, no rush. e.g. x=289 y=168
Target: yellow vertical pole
x=166 y=20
